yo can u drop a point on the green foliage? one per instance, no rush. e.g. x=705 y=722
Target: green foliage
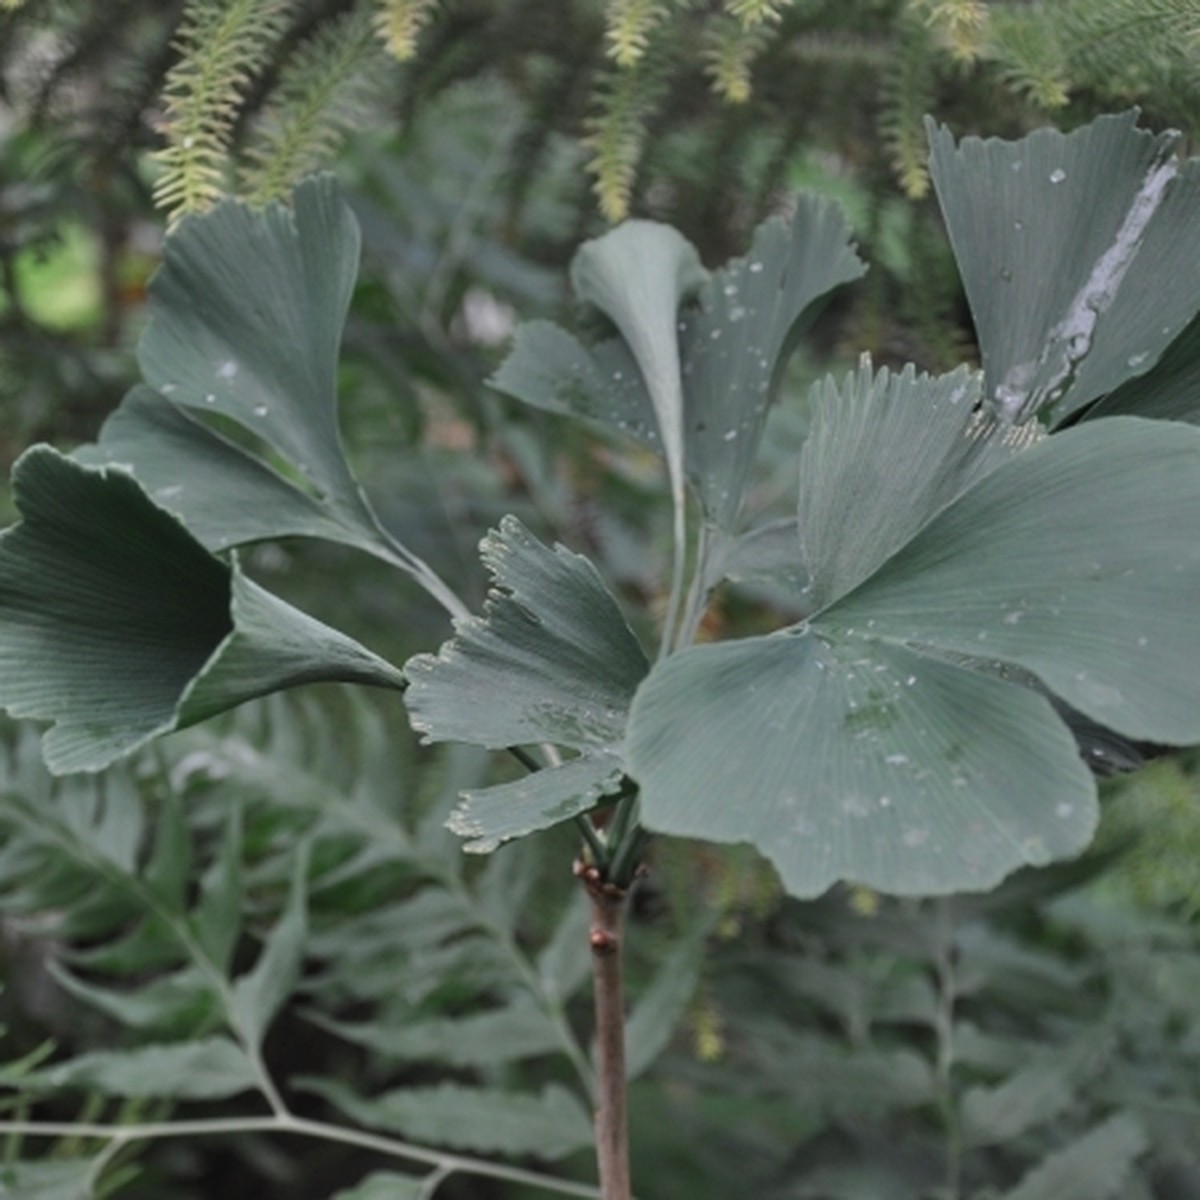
x=161 y=879
x=322 y=89
x=222 y=45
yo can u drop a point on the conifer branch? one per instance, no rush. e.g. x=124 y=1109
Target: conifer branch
x=751 y=14
x=321 y=91
x=730 y=56
x=628 y=27
x=222 y=44
x=617 y=134
x=908 y=95
x=960 y=25
x=399 y=23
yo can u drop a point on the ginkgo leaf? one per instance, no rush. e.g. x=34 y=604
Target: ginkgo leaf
x=225 y=495
x=824 y=755
x=135 y=629
x=695 y=384
x=1079 y=561
x=491 y=816
x=895 y=738
x=637 y=275
x=1169 y=391
x=246 y=319
x=1066 y=309
x=884 y=454
x=551 y=660
x=735 y=345
x=550 y=369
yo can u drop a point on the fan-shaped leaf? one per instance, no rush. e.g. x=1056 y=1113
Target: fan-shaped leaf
x=696 y=385
x=223 y=494
x=1066 y=309
x=1079 y=561
x=637 y=275
x=1169 y=391
x=550 y=369
x=842 y=758
x=552 y=660
x=885 y=454
x=246 y=320
x=135 y=628
x=498 y=814
x=735 y=345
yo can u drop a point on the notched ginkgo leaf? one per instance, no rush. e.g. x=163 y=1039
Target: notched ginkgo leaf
x=553 y=660
x=885 y=452
x=224 y=494
x=736 y=342
x=246 y=319
x=1067 y=309
x=866 y=744
x=117 y=625
x=694 y=383
x=846 y=759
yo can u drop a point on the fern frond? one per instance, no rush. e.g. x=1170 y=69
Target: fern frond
x=617 y=134
x=221 y=44
x=959 y=24
x=628 y=27
x=729 y=57
x=751 y=14
x=321 y=90
x=400 y=22
x=908 y=96
x=1026 y=48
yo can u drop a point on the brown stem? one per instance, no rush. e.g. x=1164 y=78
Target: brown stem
x=612 y=1124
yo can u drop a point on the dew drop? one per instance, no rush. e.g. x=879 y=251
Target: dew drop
x=730 y=289
x=885 y=802
x=1018 y=225
x=166 y=389
x=896 y=760
x=912 y=679
x=730 y=435
x=228 y=369
x=210 y=399
x=755 y=268
x=1064 y=810
x=260 y=410
x=170 y=490
x=1006 y=275
x=1057 y=175
x=1136 y=360
x=1143 y=641
x=715 y=335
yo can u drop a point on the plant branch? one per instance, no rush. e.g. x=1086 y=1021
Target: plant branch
x=285 y=1123
x=612 y=1122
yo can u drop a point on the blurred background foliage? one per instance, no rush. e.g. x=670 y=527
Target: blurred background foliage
x=856 y=1047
